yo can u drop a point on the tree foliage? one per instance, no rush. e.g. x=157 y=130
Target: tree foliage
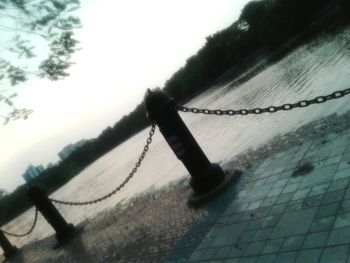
x=37 y=41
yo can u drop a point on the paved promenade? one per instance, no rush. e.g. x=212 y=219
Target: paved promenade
x=292 y=204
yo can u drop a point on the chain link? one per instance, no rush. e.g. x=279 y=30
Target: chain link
x=270 y=109
x=126 y=180
x=26 y=233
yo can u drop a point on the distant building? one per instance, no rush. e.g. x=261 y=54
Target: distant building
x=32 y=172
x=67 y=150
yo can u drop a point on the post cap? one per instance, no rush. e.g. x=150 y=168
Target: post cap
x=155 y=102
x=35 y=192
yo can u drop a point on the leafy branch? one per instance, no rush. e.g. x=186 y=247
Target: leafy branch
x=30 y=25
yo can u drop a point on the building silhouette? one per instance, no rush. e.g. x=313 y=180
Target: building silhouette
x=67 y=150
x=32 y=172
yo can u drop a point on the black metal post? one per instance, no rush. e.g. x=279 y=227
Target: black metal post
x=9 y=249
x=64 y=231
x=207 y=179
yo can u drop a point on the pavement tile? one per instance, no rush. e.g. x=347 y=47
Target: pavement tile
x=266 y=259
x=254 y=224
x=318 y=177
x=293 y=242
x=294 y=223
x=322 y=224
x=290 y=188
x=258 y=193
x=259 y=182
x=222 y=252
x=333 y=160
x=233 y=218
x=272 y=179
x=344 y=165
x=344 y=206
x=228 y=234
x=342 y=220
x=339 y=236
x=279 y=169
x=232 y=260
x=275 y=191
x=294 y=206
x=273 y=245
x=247 y=236
x=309 y=256
x=328 y=210
x=232 y=210
x=254 y=248
x=270 y=221
x=337 y=254
x=288 y=257
x=301 y=194
x=208 y=254
x=313 y=201
x=347 y=194
x=277 y=209
x=294 y=180
x=261 y=212
x=346 y=155
x=268 y=201
x=343 y=171
x=254 y=205
x=320 y=189
x=316 y=240
x=284 y=197
x=237 y=250
x=334 y=196
x=337 y=151
x=205 y=242
x=255 y=214
x=338 y=184
x=263 y=234
x=195 y=256
x=317 y=155
x=281 y=183
x=248 y=260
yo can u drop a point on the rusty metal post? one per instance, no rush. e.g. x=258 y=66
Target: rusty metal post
x=9 y=249
x=64 y=231
x=207 y=179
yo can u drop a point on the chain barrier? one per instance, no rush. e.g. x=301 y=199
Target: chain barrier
x=26 y=233
x=271 y=109
x=126 y=180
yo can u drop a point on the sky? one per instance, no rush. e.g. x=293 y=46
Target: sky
x=127 y=46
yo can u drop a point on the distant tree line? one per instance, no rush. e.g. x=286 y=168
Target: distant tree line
x=263 y=27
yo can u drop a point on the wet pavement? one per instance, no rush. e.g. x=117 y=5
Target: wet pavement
x=292 y=204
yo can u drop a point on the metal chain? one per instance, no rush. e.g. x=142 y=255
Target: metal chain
x=26 y=233
x=271 y=109
x=126 y=180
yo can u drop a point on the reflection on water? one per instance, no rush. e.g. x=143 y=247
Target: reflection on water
x=312 y=70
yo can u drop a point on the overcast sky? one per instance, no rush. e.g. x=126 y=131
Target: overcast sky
x=127 y=47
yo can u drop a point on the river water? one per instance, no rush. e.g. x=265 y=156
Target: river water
x=317 y=68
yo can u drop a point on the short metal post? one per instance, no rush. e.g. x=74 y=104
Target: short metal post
x=64 y=231
x=207 y=179
x=9 y=249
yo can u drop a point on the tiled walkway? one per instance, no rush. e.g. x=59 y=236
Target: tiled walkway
x=295 y=207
